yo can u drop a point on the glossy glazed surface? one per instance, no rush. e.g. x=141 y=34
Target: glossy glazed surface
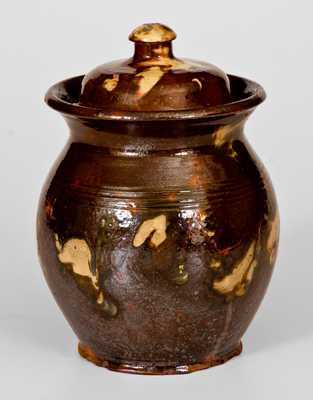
x=158 y=226
x=158 y=249
x=154 y=79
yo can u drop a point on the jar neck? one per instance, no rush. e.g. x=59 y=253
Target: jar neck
x=152 y=51
x=148 y=137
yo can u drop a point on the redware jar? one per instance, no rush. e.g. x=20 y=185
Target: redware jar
x=157 y=226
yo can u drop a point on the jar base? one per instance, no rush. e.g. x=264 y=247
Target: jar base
x=145 y=368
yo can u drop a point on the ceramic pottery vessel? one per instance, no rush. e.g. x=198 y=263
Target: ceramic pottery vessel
x=157 y=226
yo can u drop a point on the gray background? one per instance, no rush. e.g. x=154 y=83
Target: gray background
x=42 y=42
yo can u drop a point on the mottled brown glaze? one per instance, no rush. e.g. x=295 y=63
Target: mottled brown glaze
x=154 y=79
x=150 y=368
x=157 y=231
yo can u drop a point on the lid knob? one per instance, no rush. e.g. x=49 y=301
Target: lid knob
x=152 y=33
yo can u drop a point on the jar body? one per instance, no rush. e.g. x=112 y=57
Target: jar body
x=158 y=247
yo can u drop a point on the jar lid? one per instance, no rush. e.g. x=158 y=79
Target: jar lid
x=154 y=79
x=154 y=85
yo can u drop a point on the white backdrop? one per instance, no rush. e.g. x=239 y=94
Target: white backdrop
x=42 y=42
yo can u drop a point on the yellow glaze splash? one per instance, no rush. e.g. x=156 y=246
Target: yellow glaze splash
x=100 y=298
x=58 y=244
x=76 y=252
x=272 y=240
x=215 y=264
x=152 y=33
x=203 y=215
x=157 y=226
x=181 y=276
x=198 y=82
x=111 y=83
x=148 y=79
x=156 y=68
x=241 y=275
x=250 y=272
x=223 y=134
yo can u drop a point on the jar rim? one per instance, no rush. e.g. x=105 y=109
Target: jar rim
x=64 y=97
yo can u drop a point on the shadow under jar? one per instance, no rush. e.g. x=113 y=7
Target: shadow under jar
x=157 y=226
